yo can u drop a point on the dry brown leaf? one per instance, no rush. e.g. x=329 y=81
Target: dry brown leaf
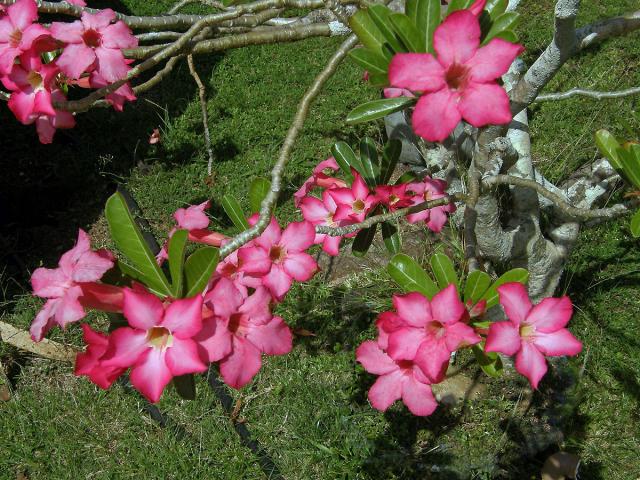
x=46 y=348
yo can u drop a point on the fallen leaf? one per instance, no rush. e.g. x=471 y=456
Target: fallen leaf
x=303 y=332
x=155 y=137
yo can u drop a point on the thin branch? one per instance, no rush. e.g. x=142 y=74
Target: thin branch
x=158 y=77
x=470 y=218
x=296 y=127
x=387 y=217
x=607 y=28
x=203 y=106
x=588 y=93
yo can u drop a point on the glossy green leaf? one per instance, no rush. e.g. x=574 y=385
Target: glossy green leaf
x=490 y=362
x=363 y=241
x=508 y=35
x=378 y=109
x=369 y=35
x=185 y=386
x=495 y=8
x=458 y=5
x=370 y=61
x=198 y=269
x=630 y=166
x=378 y=80
x=406 y=177
x=258 y=190
x=234 y=212
x=390 y=156
x=477 y=283
x=369 y=161
x=635 y=224
x=443 y=270
x=135 y=274
x=506 y=21
x=608 y=146
x=391 y=237
x=380 y=16
x=346 y=158
x=516 y=275
x=177 y=244
x=130 y=241
x=407 y=31
x=426 y=21
x=410 y=276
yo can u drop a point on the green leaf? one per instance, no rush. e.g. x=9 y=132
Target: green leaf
x=177 y=245
x=369 y=161
x=380 y=16
x=495 y=8
x=257 y=192
x=406 y=177
x=477 y=283
x=370 y=61
x=426 y=21
x=410 y=276
x=369 y=35
x=608 y=146
x=198 y=269
x=458 y=5
x=516 y=275
x=378 y=109
x=490 y=362
x=346 y=158
x=407 y=32
x=363 y=241
x=508 y=35
x=185 y=386
x=443 y=270
x=506 y=21
x=391 y=237
x=378 y=80
x=635 y=224
x=234 y=212
x=629 y=156
x=390 y=156
x=131 y=243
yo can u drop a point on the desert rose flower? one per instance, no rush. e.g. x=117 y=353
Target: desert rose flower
x=63 y=286
x=353 y=202
x=279 y=257
x=18 y=33
x=240 y=330
x=430 y=189
x=88 y=362
x=322 y=212
x=460 y=83
x=391 y=92
x=94 y=43
x=398 y=379
x=46 y=125
x=532 y=331
x=322 y=177
x=158 y=345
x=426 y=332
x=394 y=197
x=116 y=98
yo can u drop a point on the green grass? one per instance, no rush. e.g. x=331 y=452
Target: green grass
x=308 y=409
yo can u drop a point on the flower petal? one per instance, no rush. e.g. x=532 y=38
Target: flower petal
x=457 y=38
x=503 y=337
x=23 y=13
x=224 y=297
x=300 y=266
x=184 y=317
x=418 y=397
x=76 y=59
x=404 y=343
x=436 y=115
x=418 y=72
x=555 y=344
x=374 y=359
x=551 y=314
x=531 y=363
x=433 y=359
x=514 y=299
x=142 y=309
x=460 y=335
x=118 y=35
x=254 y=260
x=277 y=281
x=215 y=338
x=241 y=365
x=48 y=282
x=182 y=357
x=493 y=60
x=447 y=307
x=485 y=104
x=272 y=338
x=413 y=308
x=386 y=390
x=112 y=65
x=298 y=236
x=126 y=345
x=44 y=320
x=151 y=374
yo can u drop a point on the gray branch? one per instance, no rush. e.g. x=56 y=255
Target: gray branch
x=588 y=93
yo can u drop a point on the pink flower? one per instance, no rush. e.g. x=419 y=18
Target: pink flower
x=398 y=379
x=31 y=83
x=460 y=83
x=322 y=212
x=397 y=92
x=476 y=8
x=117 y=98
x=532 y=331
x=394 y=197
x=430 y=189
x=426 y=332
x=78 y=3
x=93 y=43
x=18 y=33
x=231 y=268
x=63 y=286
x=353 y=202
x=321 y=178
x=279 y=257
x=241 y=329
x=89 y=362
x=159 y=343
x=46 y=124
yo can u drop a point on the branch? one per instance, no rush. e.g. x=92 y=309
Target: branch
x=386 y=217
x=608 y=28
x=203 y=107
x=276 y=173
x=588 y=93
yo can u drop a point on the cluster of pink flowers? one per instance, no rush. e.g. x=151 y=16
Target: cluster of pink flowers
x=341 y=204
x=415 y=342
x=91 y=56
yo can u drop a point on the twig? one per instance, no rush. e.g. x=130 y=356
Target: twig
x=203 y=106
x=470 y=217
x=588 y=93
x=158 y=77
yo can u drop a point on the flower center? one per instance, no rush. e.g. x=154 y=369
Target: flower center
x=393 y=199
x=435 y=328
x=15 y=38
x=329 y=221
x=527 y=331
x=35 y=80
x=427 y=196
x=277 y=253
x=92 y=38
x=234 y=322
x=358 y=206
x=327 y=171
x=457 y=76
x=405 y=364
x=159 y=337
x=228 y=270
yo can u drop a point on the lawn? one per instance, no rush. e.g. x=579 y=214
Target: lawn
x=308 y=410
